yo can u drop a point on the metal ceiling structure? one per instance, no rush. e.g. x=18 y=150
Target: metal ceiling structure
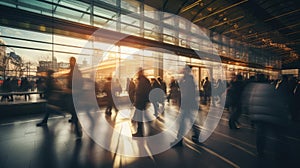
x=269 y=25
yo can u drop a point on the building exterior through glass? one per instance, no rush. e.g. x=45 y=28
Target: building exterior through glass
x=30 y=48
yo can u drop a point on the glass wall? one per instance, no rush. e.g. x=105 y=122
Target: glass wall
x=40 y=51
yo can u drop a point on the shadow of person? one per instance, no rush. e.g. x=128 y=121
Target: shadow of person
x=45 y=155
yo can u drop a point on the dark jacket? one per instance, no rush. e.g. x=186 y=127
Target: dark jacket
x=142 y=92
x=234 y=92
x=265 y=104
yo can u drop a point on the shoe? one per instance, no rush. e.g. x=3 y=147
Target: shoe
x=41 y=124
x=237 y=125
x=232 y=125
x=195 y=139
x=137 y=135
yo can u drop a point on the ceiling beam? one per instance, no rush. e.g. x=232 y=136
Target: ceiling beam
x=281 y=15
x=183 y=4
x=295 y=32
x=226 y=22
x=200 y=10
x=272 y=31
x=219 y=11
x=186 y=8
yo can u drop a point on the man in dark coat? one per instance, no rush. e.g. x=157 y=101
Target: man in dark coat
x=235 y=93
x=143 y=88
x=73 y=91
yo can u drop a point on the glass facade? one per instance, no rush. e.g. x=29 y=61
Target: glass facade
x=40 y=49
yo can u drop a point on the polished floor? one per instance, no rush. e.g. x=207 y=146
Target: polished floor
x=56 y=145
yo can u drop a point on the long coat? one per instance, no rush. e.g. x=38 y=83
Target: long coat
x=265 y=104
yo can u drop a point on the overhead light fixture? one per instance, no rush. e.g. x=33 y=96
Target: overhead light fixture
x=190 y=6
x=209 y=9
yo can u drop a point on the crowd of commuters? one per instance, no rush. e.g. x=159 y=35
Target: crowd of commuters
x=270 y=104
x=16 y=85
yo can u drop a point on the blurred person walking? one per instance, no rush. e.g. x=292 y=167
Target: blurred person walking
x=188 y=107
x=174 y=92
x=267 y=107
x=163 y=87
x=235 y=95
x=207 y=90
x=107 y=89
x=73 y=90
x=41 y=86
x=25 y=86
x=141 y=101
x=50 y=96
x=131 y=90
x=155 y=100
x=6 y=88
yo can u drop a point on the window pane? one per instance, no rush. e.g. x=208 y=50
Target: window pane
x=112 y=2
x=131 y=5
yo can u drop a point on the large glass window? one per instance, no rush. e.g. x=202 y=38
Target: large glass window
x=37 y=49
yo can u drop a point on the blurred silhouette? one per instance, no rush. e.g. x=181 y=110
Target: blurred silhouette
x=142 y=91
x=220 y=88
x=73 y=91
x=207 y=90
x=6 y=87
x=131 y=90
x=116 y=87
x=156 y=98
x=234 y=94
x=25 y=86
x=174 y=92
x=41 y=86
x=163 y=87
x=188 y=107
x=14 y=84
x=284 y=87
x=163 y=84
x=88 y=101
x=51 y=96
x=267 y=108
x=109 y=96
